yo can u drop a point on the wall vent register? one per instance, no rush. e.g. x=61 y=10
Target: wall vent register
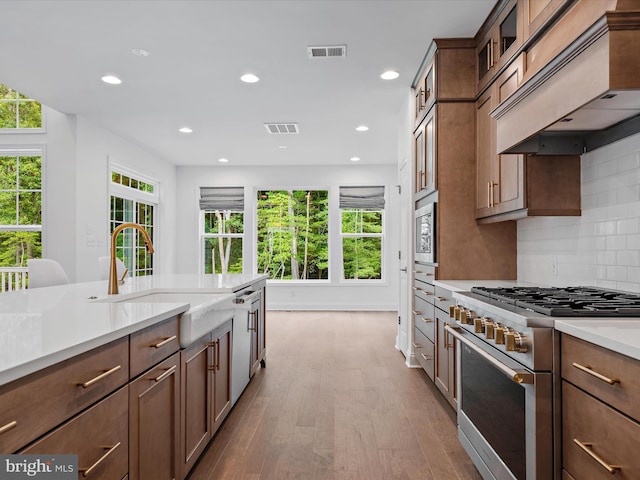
x=282 y=128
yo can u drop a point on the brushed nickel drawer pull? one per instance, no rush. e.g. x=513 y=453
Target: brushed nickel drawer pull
x=165 y=341
x=599 y=376
x=427 y=320
x=165 y=374
x=8 y=426
x=87 y=471
x=416 y=345
x=587 y=448
x=103 y=375
x=425 y=357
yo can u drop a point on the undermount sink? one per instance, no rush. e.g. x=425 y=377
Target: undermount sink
x=207 y=311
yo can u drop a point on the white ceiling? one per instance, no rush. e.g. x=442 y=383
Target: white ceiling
x=56 y=52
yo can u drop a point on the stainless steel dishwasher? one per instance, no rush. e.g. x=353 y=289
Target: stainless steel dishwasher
x=243 y=324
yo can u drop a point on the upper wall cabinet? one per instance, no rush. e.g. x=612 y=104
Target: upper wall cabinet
x=498 y=40
x=444 y=75
x=537 y=13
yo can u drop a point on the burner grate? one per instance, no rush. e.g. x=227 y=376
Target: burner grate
x=567 y=302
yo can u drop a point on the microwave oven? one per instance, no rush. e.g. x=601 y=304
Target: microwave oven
x=425 y=239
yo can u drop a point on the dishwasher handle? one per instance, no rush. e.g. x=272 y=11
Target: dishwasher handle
x=245 y=298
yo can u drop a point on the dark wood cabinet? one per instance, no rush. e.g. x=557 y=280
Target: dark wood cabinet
x=425 y=157
x=154 y=422
x=205 y=392
x=99 y=436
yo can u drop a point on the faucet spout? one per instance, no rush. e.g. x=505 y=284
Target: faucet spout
x=113 y=275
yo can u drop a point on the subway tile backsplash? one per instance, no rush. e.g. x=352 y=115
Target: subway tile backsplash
x=601 y=247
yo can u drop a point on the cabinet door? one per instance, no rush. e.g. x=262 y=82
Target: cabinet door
x=221 y=368
x=195 y=414
x=154 y=422
x=500 y=179
x=537 y=12
x=445 y=359
x=418 y=157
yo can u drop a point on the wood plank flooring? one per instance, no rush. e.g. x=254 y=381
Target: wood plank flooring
x=336 y=402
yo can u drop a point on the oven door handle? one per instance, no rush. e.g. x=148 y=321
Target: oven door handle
x=517 y=376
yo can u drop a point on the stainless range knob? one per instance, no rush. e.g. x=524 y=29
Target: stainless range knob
x=516 y=342
x=490 y=329
x=500 y=329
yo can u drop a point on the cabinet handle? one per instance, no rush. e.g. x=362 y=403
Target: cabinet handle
x=492 y=48
x=599 y=376
x=427 y=320
x=489 y=194
x=87 y=471
x=416 y=345
x=165 y=341
x=448 y=345
x=415 y=312
x=213 y=345
x=416 y=289
x=218 y=354
x=165 y=374
x=428 y=293
x=253 y=315
x=8 y=427
x=102 y=376
x=441 y=299
x=587 y=448
x=425 y=357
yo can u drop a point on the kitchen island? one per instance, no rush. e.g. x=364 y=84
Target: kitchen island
x=71 y=354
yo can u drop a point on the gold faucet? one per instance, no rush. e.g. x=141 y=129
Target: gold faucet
x=113 y=274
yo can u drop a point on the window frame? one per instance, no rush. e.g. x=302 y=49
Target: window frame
x=22 y=131
x=381 y=235
x=204 y=236
x=136 y=196
x=296 y=282
x=30 y=151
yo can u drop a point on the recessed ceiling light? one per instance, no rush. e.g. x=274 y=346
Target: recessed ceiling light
x=223 y=160
x=355 y=159
x=389 y=75
x=140 y=52
x=185 y=130
x=249 y=78
x=282 y=146
x=362 y=128
x=111 y=80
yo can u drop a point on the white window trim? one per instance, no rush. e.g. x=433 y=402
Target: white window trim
x=28 y=131
x=382 y=235
x=203 y=236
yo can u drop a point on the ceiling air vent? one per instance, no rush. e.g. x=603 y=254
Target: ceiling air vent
x=327 y=51
x=282 y=128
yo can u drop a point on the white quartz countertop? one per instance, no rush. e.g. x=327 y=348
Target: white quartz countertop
x=43 y=326
x=619 y=335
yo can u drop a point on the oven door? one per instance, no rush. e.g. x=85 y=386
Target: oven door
x=505 y=413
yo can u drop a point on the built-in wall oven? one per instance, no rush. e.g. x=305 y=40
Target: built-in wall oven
x=425 y=241
x=508 y=369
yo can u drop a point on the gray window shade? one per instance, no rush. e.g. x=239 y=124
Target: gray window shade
x=222 y=198
x=361 y=197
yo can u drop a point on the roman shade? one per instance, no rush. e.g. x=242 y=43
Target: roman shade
x=222 y=198
x=362 y=197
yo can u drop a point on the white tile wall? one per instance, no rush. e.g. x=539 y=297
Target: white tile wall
x=601 y=247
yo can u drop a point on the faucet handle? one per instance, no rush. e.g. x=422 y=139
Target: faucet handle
x=124 y=275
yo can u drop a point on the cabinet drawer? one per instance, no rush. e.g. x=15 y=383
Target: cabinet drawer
x=578 y=354
x=153 y=344
x=424 y=273
x=99 y=436
x=424 y=291
x=423 y=317
x=605 y=434
x=443 y=299
x=424 y=350
x=35 y=404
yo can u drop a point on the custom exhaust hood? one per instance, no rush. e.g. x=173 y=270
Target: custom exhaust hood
x=586 y=97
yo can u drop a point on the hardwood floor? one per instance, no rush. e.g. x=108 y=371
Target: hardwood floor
x=336 y=402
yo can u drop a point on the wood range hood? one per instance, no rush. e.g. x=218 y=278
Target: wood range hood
x=584 y=98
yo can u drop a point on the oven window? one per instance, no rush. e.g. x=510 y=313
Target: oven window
x=496 y=406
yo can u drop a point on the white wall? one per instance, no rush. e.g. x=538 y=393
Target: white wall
x=95 y=146
x=601 y=247
x=294 y=296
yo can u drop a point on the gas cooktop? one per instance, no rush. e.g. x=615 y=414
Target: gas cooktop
x=566 y=302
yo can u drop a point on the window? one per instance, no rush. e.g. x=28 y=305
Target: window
x=222 y=228
x=292 y=234
x=18 y=111
x=131 y=203
x=361 y=220
x=20 y=206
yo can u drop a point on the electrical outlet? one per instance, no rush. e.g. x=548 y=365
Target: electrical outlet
x=554 y=266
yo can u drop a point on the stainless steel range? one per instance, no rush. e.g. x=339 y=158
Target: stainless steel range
x=508 y=368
